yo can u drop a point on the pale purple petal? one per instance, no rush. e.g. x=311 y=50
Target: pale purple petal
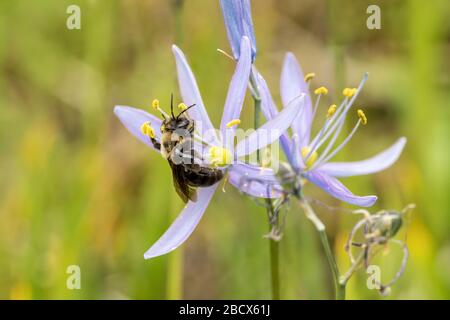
x=238 y=22
x=377 y=163
x=272 y=129
x=238 y=87
x=336 y=189
x=190 y=92
x=133 y=119
x=183 y=225
x=255 y=181
x=270 y=110
x=292 y=84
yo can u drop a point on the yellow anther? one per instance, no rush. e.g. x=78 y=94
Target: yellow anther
x=309 y=76
x=148 y=130
x=321 y=90
x=234 y=122
x=220 y=156
x=331 y=110
x=155 y=104
x=362 y=116
x=182 y=106
x=349 y=92
x=311 y=159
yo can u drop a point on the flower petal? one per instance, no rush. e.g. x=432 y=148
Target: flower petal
x=238 y=22
x=377 y=163
x=133 y=119
x=336 y=189
x=190 y=92
x=272 y=129
x=270 y=110
x=183 y=225
x=292 y=84
x=254 y=181
x=238 y=87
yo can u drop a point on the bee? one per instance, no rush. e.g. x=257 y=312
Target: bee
x=177 y=146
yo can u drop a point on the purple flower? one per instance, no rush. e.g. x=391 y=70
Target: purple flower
x=220 y=152
x=238 y=22
x=311 y=155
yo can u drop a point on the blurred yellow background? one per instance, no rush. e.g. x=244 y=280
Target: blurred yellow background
x=77 y=189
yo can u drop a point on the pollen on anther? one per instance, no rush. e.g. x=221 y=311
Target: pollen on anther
x=309 y=76
x=321 y=90
x=331 y=110
x=182 y=106
x=155 y=104
x=147 y=129
x=233 y=123
x=349 y=92
x=362 y=116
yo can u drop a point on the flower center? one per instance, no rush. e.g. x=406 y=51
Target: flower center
x=311 y=159
x=220 y=156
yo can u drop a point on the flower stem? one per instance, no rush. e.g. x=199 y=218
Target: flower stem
x=273 y=244
x=320 y=227
x=274 y=269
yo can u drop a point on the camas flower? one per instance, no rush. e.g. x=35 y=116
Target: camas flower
x=238 y=22
x=310 y=156
x=222 y=153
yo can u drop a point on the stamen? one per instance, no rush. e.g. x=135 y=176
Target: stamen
x=349 y=92
x=338 y=117
x=309 y=157
x=226 y=54
x=309 y=76
x=316 y=106
x=220 y=156
x=331 y=155
x=321 y=90
x=362 y=117
x=233 y=122
x=329 y=126
x=331 y=111
x=155 y=105
x=148 y=130
x=331 y=142
x=182 y=106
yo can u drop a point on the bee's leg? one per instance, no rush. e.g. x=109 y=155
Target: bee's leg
x=156 y=143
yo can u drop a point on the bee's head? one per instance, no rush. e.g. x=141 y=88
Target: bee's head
x=180 y=122
x=171 y=123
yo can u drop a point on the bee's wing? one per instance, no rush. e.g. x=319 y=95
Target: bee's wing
x=185 y=192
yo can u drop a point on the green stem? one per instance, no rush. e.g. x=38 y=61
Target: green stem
x=273 y=244
x=274 y=269
x=320 y=227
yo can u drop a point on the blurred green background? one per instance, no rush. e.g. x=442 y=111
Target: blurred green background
x=77 y=189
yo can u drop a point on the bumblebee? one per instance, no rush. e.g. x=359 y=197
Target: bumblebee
x=177 y=146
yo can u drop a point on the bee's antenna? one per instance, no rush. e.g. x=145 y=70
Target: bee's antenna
x=192 y=105
x=171 y=105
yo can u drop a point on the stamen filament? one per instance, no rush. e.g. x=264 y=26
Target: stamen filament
x=331 y=142
x=340 y=146
x=155 y=105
